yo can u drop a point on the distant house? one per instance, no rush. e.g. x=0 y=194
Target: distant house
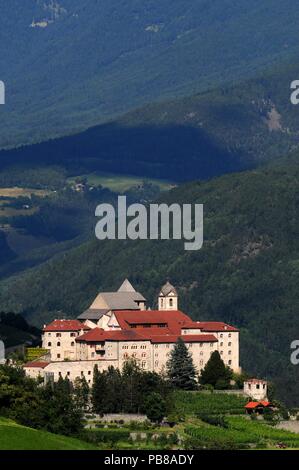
x=258 y=407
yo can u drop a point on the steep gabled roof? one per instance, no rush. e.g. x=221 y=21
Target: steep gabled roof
x=117 y=301
x=167 y=289
x=126 y=287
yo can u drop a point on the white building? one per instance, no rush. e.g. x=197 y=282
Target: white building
x=117 y=326
x=256 y=389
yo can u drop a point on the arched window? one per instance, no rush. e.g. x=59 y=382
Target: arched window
x=58 y=344
x=171 y=302
x=72 y=343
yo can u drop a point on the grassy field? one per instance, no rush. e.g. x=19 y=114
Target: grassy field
x=241 y=433
x=120 y=183
x=189 y=403
x=22 y=192
x=13 y=193
x=12 y=212
x=16 y=437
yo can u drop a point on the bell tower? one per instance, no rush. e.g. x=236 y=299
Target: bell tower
x=168 y=297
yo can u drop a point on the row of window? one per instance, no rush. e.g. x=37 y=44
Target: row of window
x=59 y=344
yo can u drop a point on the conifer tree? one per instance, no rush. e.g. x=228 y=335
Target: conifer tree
x=81 y=392
x=180 y=368
x=98 y=391
x=215 y=372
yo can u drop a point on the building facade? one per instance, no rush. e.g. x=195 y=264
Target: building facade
x=256 y=389
x=118 y=326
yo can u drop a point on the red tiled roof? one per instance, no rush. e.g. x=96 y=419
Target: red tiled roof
x=173 y=318
x=252 y=404
x=38 y=364
x=98 y=334
x=185 y=338
x=95 y=334
x=146 y=334
x=255 y=404
x=265 y=403
x=191 y=325
x=66 y=325
x=215 y=326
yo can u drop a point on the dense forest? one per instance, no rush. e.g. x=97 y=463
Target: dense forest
x=130 y=53
x=204 y=135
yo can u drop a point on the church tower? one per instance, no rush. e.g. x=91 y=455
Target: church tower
x=168 y=298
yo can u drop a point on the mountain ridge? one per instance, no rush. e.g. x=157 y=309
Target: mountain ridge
x=130 y=54
x=199 y=136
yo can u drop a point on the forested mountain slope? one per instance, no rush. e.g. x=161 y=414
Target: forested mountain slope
x=246 y=274
x=208 y=134
x=69 y=64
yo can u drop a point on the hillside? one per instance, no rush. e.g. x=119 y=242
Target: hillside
x=246 y=274
x=204 y=135
x=15 y=331
x=16 y=437
x=69 y=65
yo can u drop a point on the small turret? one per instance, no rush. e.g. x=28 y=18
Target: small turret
x=168 y=297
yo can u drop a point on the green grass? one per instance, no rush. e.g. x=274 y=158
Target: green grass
x=16 y=437
x=121 y=183
x=211 y=403
x=241 y=433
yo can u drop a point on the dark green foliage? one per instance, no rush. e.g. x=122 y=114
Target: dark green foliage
x=127 y=391
x=51 y=408
x=98 y=391
x=38 y=177
x=110 y=436
x=155 y=407
x=180 y=368
x=216 y=373
x=81 y=393
x=14 y=330
x=6 y=254
x=215 y=420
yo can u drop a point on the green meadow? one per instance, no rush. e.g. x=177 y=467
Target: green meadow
x=16 y=437
x=121 y=183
